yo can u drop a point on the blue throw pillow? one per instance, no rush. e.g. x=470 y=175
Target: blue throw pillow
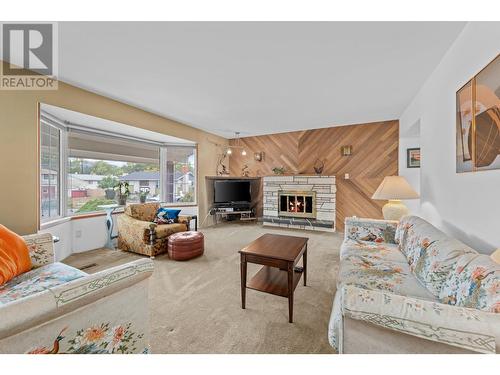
x=172 y=214
x=166 y=216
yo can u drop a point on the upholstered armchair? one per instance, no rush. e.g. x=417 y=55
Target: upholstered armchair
x=138 y=234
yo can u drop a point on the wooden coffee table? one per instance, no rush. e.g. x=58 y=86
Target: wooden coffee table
x=279 y=255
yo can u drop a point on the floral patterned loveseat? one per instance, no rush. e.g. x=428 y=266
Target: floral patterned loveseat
x=55 y=308
x=408 y=288
x=138 y=234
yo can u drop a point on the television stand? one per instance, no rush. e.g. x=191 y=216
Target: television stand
x=244 y=215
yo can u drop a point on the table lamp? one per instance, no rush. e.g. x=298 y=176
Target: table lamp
x=395 y=188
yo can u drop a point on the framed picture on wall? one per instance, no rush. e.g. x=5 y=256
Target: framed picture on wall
x=413 y=157
x=478 y=121
x=464 y=126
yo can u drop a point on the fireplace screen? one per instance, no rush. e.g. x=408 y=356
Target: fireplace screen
x=297 y=204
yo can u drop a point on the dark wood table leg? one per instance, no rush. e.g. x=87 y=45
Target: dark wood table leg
x=304 y=261
x=290 y=292
x=243 y=267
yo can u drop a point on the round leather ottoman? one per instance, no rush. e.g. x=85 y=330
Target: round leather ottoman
x=185 y=245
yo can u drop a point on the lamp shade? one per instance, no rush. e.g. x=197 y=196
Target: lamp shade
x=395 y=187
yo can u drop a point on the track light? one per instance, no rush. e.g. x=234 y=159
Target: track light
x=243 y=153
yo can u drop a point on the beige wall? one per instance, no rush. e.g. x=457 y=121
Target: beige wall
x=19 y=138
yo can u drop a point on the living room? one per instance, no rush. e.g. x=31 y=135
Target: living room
x=162 y=200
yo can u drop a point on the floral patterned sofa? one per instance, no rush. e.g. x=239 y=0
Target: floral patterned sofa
x=138 y=234
x=55 y=308
x=408 y=288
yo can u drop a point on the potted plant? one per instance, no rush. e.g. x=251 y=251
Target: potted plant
x=143 y=195
x=123 y=192
x=279 y=170
x=108 y=183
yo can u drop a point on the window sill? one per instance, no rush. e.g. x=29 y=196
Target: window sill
x=121 y=210
x=95 y=214
x=53 y=223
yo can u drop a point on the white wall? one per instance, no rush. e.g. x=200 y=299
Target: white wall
x=80 y=235
x=63 y=248
x=410 y=138
x=89 y=233
x=465 y=205
x=76 y=236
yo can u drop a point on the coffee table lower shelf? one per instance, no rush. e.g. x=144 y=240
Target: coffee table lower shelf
x=273 y=280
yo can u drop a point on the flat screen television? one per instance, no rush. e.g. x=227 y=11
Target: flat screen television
x=231 y=192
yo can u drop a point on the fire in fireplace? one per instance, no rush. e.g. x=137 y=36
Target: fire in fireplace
x=297 y=204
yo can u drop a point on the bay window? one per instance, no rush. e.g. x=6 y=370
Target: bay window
x=81 y=168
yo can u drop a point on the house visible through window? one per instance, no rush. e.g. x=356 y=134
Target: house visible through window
x=97 y=164
x=97 y=184
x=181 y=174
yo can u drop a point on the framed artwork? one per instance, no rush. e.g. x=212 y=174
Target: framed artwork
x=478 y=121
x=413 y=158
x=464 y=126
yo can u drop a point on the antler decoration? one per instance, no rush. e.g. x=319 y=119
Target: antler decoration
x=319 y=165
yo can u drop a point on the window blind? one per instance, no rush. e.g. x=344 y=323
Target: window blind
x=103 y=147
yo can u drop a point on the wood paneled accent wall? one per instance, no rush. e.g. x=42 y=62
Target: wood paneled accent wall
x=374 y=156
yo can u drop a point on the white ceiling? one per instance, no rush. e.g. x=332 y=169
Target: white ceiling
x=256 y=77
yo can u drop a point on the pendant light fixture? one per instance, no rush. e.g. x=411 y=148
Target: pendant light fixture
x=237 y=144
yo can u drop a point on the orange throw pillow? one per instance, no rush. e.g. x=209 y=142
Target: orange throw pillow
x=14 y=255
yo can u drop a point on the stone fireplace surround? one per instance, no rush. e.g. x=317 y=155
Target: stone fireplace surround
x=325 y=189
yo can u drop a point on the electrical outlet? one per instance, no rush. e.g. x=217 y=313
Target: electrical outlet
x=347 y=176
x=78 y=233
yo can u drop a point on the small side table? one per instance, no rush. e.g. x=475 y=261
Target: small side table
x=110 y=209
x=278 y=254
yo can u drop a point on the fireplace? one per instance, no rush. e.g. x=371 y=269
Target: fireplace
x=302 y=202
x=297 y=204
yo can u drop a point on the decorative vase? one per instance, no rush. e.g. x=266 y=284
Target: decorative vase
x=122 y=200
x=142 y=198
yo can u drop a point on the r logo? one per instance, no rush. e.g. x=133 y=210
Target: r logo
x=27 y=48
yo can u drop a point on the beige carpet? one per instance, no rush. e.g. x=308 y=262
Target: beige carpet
x=196 y=305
